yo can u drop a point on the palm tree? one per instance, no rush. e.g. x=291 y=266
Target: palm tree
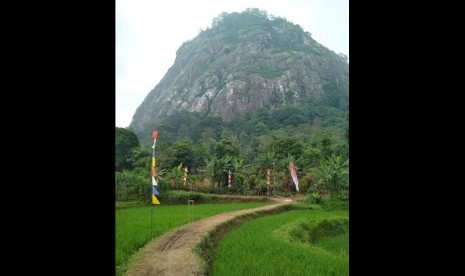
x=265 y=160
x=332 y=171
x=212 y=168
x=175 y=175
x=239 y=172
x=218 y=168
x=224 y=165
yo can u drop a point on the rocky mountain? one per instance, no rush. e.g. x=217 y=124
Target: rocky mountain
x=246 y=61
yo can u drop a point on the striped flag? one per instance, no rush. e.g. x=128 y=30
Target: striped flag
x=154 y=170
x=185 y=175
x=268 y=173
x=154 y=198
x=294 y=176
x=154 y=163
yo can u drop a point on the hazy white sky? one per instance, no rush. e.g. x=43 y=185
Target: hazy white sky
x=148 y=33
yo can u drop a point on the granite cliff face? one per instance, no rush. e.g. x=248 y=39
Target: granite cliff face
x=243 y=62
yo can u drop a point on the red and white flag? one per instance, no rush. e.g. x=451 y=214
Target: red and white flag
x=294 y=176
x=268 y=173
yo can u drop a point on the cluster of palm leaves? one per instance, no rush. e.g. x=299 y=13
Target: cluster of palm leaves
x=333 y=173
x=248 y=175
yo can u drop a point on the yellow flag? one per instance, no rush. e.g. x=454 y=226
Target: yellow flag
x=153 y=162
x=155 y=200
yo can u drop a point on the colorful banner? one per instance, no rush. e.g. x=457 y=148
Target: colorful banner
x=294 y=176
x=229 y=179
x=154 y=170
x=268 y=173
x=185 y=175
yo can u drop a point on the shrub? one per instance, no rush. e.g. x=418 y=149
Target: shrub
x=132 y=186
x=335 y=203
x=311 y=230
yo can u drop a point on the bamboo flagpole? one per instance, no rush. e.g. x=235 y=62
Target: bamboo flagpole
x=268 y=187
x=229 y=180
x=154 y=181
x=184 y=179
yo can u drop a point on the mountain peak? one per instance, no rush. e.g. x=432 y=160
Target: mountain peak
x=246 y=61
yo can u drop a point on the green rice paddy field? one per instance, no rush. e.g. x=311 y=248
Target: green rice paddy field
x=282 y=244
x=133 y=224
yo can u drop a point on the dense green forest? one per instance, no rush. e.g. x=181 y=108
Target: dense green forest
x=314 y=137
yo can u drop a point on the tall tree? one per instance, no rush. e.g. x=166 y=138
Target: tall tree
x=265 y=161
x=140 y=159
x=288 y=145
x=184 y=152
x=125 y=142
x=226 y=147
x=326 y=147
x=239 y=172
x=346 y=134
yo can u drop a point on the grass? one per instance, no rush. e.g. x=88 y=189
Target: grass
x=271 y=246
x=128 y=204
x=133 y=225
x=311 y=230
x=336 y=245
x=205 y=250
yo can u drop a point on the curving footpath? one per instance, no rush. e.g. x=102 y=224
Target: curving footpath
x=172 y=254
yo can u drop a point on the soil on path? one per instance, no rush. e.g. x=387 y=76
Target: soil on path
x=172 y=254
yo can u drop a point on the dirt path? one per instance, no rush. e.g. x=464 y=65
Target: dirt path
x=172 y=254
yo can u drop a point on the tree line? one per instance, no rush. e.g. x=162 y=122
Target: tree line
x=247 y=146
